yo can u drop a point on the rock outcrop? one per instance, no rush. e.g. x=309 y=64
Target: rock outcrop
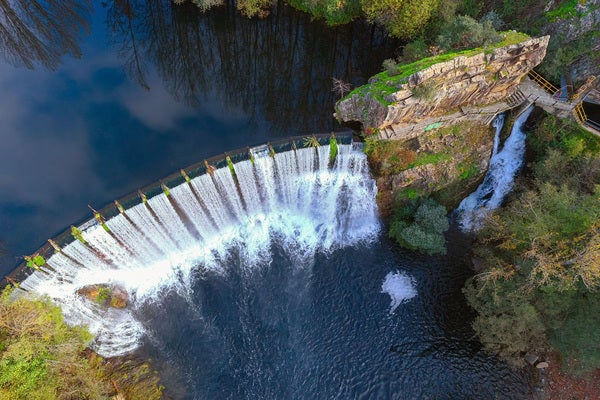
x=448 y=163
x=444 y=88
x=105 y=295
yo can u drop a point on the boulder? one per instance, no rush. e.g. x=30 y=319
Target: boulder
x=106 y=295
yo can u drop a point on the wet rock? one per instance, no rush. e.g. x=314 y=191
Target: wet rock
x=531 y=358
x=106 y=295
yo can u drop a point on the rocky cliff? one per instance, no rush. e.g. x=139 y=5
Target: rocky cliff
x=447 y=163
x=464 y=82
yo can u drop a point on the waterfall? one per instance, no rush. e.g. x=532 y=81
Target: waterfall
x=504 y=165
x=294 y=198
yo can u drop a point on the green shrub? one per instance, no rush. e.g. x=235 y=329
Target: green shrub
x=472 y=8
x=420 y=225
x=43 y=358
x=104 y=293
x=253 y=8
x=424 y=91
x=464 y=32
x=573 y=327
x=507 y=324
x=334 y=12
x=40 y=357
x=333 y=150
x=390 y=66
x=493 y=18
x=415 y=51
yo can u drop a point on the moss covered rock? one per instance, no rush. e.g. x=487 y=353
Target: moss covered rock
x=106 y=295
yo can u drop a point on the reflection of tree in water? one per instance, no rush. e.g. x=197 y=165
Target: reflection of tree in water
x=42 y=32
x=279 y=68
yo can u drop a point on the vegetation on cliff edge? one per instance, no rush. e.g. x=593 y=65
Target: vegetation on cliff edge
x=387 y=82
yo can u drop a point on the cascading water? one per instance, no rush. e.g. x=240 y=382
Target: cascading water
x=294 y=199
x=499 y=179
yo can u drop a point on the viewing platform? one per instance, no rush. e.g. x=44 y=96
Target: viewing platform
x=557 y=101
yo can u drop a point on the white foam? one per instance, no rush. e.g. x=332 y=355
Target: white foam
x=401 y=288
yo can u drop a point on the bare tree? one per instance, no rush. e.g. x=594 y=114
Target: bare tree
x=42 y=32
x=340 y=88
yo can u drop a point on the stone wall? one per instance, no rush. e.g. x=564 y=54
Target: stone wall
x=446 y=87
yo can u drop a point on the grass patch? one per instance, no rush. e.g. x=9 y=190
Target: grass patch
x=468 y=170
x=429 y=158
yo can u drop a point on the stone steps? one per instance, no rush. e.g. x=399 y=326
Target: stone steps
x=515 y=99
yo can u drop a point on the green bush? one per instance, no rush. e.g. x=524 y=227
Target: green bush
x=507 y=323
x=334 y=12
x=573 y=325
x=472 y=8
x=253 y=8
x=464 y=32
x=415 y=51
x=40 y=356
x=494 y=18
x=333 y=150
x=420 y=225
x=390 y=66
x=424 y=91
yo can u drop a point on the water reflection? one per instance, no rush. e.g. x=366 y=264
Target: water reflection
x=34 y=32
x=276 y=68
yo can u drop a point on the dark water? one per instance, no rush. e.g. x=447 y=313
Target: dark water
x=157 y=88
x=325 y=331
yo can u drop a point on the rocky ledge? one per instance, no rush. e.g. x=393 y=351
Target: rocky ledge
x=444 y=88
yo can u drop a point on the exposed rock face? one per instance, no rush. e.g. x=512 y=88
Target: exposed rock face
x=105 y=295
x=459 y=157
x=447 y=87
x=584 y=22
x=469 y=149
